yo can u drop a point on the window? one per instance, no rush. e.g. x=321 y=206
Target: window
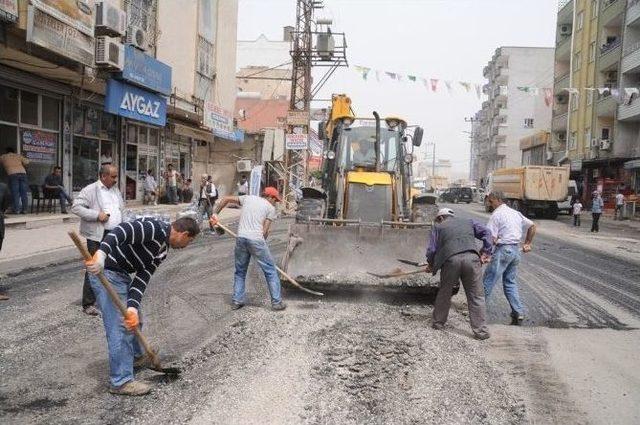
x=8 y=104
x=528 y=123
x=605 y=133
x=594 y=9
x=589 y=97
x=572 y=140
x=592 y=51
x=50 y=113
x=587 y=137
x=577 y=59
x=580 y=20
x=574 y=101
x=29 y=108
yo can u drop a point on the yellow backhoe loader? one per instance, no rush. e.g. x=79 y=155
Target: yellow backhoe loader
x=362 y=220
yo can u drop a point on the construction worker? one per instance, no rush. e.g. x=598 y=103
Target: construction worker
x=253 y=229
x=452 y=250
x=136 y=247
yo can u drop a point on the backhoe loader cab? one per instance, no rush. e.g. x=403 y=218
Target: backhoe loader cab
x=361 y=220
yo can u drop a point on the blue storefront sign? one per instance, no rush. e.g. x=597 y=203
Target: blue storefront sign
x=145 y=71
x=135 y=103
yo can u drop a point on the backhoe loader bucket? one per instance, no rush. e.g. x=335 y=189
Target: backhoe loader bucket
x=345 y=252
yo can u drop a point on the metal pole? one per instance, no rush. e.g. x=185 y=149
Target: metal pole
x=433 y=162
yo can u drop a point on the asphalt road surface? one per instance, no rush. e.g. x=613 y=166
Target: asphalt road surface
x=349 y=357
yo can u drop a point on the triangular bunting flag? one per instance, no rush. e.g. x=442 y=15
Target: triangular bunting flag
x=392 y=75
x=449 y=87
x=434 y=84
x=467 y=86
x=479 y=91
x=411 y=78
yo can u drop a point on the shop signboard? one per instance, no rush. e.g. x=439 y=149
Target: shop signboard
x=9 y=10
x=39 y=146
x=220 y=121
x=576 y=165
x=59 y=37
x=135 y=103
x=78 y=14
x=298 y=118
x=145 y=71
x=296 y=142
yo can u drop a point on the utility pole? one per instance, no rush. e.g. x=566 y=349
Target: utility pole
x=472 y=157
x=304 y=55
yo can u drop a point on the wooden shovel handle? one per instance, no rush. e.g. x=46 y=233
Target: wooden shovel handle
x=283 y=273
x=116 y=300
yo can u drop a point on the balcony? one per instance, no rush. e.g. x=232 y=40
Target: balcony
x=611 y=14
x=563 y=49
x=631 y=59
x=633 y=13
x=610 y=55
x=630 y=112
x=562 y=82
x=606 y=107
x=559 y=122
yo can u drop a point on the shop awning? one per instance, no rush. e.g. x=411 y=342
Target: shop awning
x=630 y=165
x=196 y=133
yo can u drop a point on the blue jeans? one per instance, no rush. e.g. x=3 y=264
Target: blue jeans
x=172 y=194
x=245 y=248
x=122 y=344
x=504 y=264
x=19 y=188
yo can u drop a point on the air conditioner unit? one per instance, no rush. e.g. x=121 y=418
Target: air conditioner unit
x=595 y=143
x=137 y=37
x=109 y=53
x=565 y=29
x=243 y=166
x=605 y=145
x=110 y=19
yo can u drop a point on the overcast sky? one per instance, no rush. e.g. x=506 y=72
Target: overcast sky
x=445 y=39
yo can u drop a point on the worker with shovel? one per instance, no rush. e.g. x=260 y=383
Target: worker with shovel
x=253 y=229
x=136 y=247
x=452 y=250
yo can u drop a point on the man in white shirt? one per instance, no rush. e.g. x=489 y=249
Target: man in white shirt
x=506 y=226
x=171 y=177
x=619 y=206
x=99 y=206
x=253 y=229
x=150 y=189
x=243 y=186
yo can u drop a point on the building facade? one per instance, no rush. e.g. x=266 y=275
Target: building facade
x=594 y=127
x=515 y=107
x=131 y=88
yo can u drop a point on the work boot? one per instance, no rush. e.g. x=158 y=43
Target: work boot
x=236 y=306
x=133 y=388
x=4 y=297
x=91 y=310
x=481 y=335
x=278 y=306
x=437 y=326
x=517 y=319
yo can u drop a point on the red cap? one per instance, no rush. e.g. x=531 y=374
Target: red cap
x=272 y=191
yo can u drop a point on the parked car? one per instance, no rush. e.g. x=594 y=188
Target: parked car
x=457 y=194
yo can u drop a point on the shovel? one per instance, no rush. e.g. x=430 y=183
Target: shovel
x=289 y=278
x=155 y=360
x=413 y=263
x=396 y=273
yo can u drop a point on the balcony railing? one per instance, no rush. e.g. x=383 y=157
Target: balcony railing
x=610 y=46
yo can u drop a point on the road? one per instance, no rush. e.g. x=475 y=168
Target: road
x=350 y=357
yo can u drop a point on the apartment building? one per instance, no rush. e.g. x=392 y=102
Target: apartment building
x=594 y=127
x=515 y=107
x=135 y=83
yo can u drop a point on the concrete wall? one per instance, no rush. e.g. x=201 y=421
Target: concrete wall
x=225 y=60
x=263 y=52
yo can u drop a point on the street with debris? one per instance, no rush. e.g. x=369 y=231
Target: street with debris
x=360 y=356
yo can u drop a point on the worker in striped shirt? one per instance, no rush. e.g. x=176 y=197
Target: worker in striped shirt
x=134 y=248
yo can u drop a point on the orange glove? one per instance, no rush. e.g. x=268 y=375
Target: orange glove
x=214 y=220
x=131 y=320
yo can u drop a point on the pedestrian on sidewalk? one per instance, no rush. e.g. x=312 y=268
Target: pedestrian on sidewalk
x=243 y=186
x=171 y=179
x=99 y=206
x=256 y=217
x=452 y=250
x=150 y=189
x=137 y=247
x=506 y=226
x=4 y=204
x=186 y=192
x=14 y=167
x=53 y=184
x=577 y=210
x=619 y=205
x=597 y=205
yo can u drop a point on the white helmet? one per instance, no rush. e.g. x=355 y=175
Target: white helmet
x=445 y=212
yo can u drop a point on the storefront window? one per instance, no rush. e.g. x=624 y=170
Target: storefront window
x=92 y=122
x=29 y=108
x=50 y=113
x=142 y=155
x=85 y=162
x=78 y=120
x=109 y=126
x=131 y=171
x=8 y=104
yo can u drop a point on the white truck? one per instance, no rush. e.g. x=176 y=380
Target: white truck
x=532 y=189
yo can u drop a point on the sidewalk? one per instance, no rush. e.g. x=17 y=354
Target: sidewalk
x=39 y=241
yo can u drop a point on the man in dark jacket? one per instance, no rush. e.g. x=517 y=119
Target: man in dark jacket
x=452 y=250
x=4 y=204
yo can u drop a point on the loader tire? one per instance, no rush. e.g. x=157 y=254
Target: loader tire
x=309 y=208
x=424 y=213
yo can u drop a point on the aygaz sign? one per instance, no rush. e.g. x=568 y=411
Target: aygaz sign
x=133 y=102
